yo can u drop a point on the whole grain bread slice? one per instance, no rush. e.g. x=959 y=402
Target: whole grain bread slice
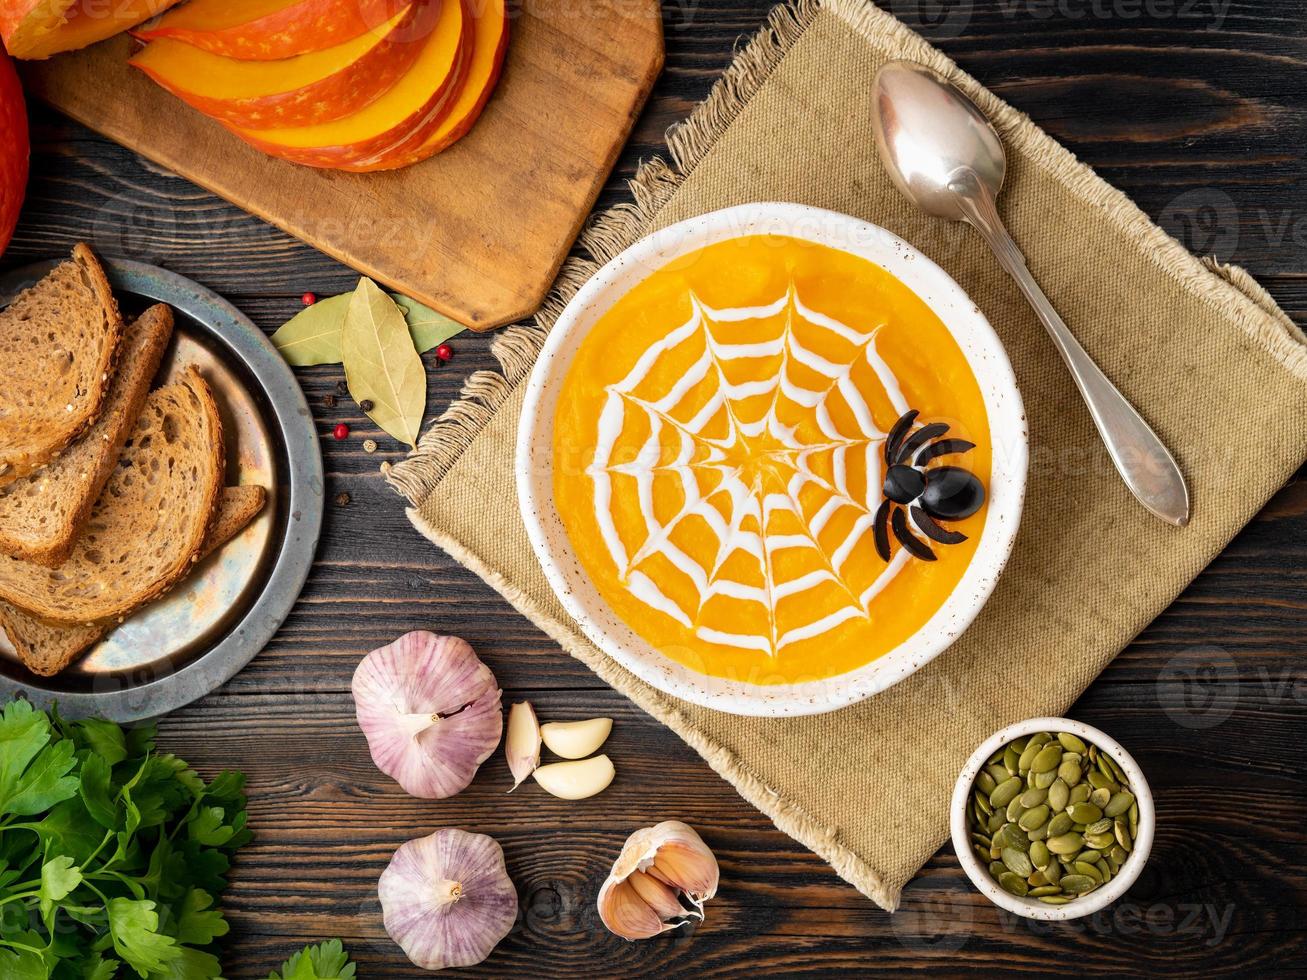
x=46 y=649
x=148 y=526
x=42 y=514
x=58 y=344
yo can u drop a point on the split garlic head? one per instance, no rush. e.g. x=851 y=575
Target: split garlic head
x=447 y=899
x=430 y=710
x=659 y=871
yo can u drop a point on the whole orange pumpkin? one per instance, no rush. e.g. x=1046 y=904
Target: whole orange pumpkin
x=13 y=149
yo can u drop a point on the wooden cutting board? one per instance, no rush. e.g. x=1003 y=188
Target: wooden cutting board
x=477 y=232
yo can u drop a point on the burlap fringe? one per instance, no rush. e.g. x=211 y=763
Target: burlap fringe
x=654 y=184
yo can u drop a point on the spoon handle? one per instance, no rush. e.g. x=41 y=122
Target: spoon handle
x=1148 y=469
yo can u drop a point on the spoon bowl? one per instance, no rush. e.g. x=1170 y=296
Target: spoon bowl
x=926 y=132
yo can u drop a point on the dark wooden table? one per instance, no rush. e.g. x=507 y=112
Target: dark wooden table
x=1198 y=110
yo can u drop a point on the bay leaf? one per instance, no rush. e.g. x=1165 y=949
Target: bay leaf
x=429 y=328
x=312 y=336
x=381 y=364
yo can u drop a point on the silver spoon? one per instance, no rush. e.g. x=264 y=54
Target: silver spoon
x=944 y=155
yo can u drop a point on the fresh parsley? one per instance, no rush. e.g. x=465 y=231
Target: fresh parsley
x=326 y=961
x=112 y=854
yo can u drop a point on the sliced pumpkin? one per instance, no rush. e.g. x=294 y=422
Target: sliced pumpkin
x=84 y=25
x=265 y=30
x=302 y=91
x=489 y=46
x=411 y=109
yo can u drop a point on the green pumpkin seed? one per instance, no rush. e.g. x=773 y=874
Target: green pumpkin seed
x=1056 y=899
x=1039 y=855
x=1053 y=872
x=1080 y=793
x=1031 y=798
x=1039 y=833
x=1014 y=808
x=1060 y=824
x=1069 y=771
x=1071 y=743
x=997 y=772
x=1099 y=781
x=995 y=821
x=996 y=868
x=1100 y=841
x=1089 y=870
x=1058 y=794
x=1012 y=882
x=1043 y=780
x=982 y=803
x=1103 y=826
x=1047 y=759
x=1034 y=818
x=996 y=757
x=1119 y=804
x=1078 y=884
x=1044 y=890
x=1010 y=757
x=1010 y=835
x=1005 y=792
x=1134 y=820
x=1085 y=813
x=1017 y=861
x=1123 y=835
x=1065 y=843
x=1100 y=797
x=1117 y=772
x=979 y=838
x=985 y=782
x=1036 y=880
x=981 y=852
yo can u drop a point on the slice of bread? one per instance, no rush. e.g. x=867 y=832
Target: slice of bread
x=148 y=526
x=45 y=649
x=58 y=344
x=42 y=514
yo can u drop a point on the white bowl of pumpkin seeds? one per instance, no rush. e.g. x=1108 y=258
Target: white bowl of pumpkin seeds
x=1052 y=819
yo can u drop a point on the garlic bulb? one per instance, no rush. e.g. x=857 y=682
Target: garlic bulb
x=576 y=739
x=522 y=745
x=430 y=711
x=658 y=868
x=447 y=899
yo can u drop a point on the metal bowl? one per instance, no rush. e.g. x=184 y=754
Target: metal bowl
x=199 y=636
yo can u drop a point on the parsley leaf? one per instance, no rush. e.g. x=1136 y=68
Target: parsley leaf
x=326 y=961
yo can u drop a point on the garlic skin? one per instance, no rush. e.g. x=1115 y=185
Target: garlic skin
x=430 y=710
x=447 y=899
x=522 y=745
x=576 y=780
x=576 y=739
x=658 y=868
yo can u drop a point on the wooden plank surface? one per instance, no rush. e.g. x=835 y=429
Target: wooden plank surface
x=1202 y=123
x=479 y=231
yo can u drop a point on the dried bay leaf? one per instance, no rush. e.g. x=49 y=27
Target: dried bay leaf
x=429 y=328
x=381 y=364
x=312 y=336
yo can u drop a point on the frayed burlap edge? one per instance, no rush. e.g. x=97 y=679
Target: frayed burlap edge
x=1229 y=288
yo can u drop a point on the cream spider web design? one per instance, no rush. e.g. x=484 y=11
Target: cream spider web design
x=739 y=460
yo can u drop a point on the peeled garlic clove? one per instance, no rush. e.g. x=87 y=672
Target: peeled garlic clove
x=576 y=739
x=670 y=855
x=576 y=780
x=522 y=744
x=430 y=710
x=447 y=899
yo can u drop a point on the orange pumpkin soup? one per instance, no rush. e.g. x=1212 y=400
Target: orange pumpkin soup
x=724 y=460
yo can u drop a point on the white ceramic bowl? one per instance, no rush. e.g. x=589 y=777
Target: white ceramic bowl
x=1032 y=908
x=984 y=354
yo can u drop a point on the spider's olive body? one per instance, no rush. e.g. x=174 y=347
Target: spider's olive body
x=951 y=493
x=926 y=493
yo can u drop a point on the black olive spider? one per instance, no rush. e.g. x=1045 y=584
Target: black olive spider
x=927 y=494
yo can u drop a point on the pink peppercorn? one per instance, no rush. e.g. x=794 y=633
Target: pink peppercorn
x=341 y=431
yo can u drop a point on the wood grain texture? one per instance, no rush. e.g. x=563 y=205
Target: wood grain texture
x=1211 y=698
x=479 y=231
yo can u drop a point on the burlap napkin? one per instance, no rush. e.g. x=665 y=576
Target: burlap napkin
x=1203 y=352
